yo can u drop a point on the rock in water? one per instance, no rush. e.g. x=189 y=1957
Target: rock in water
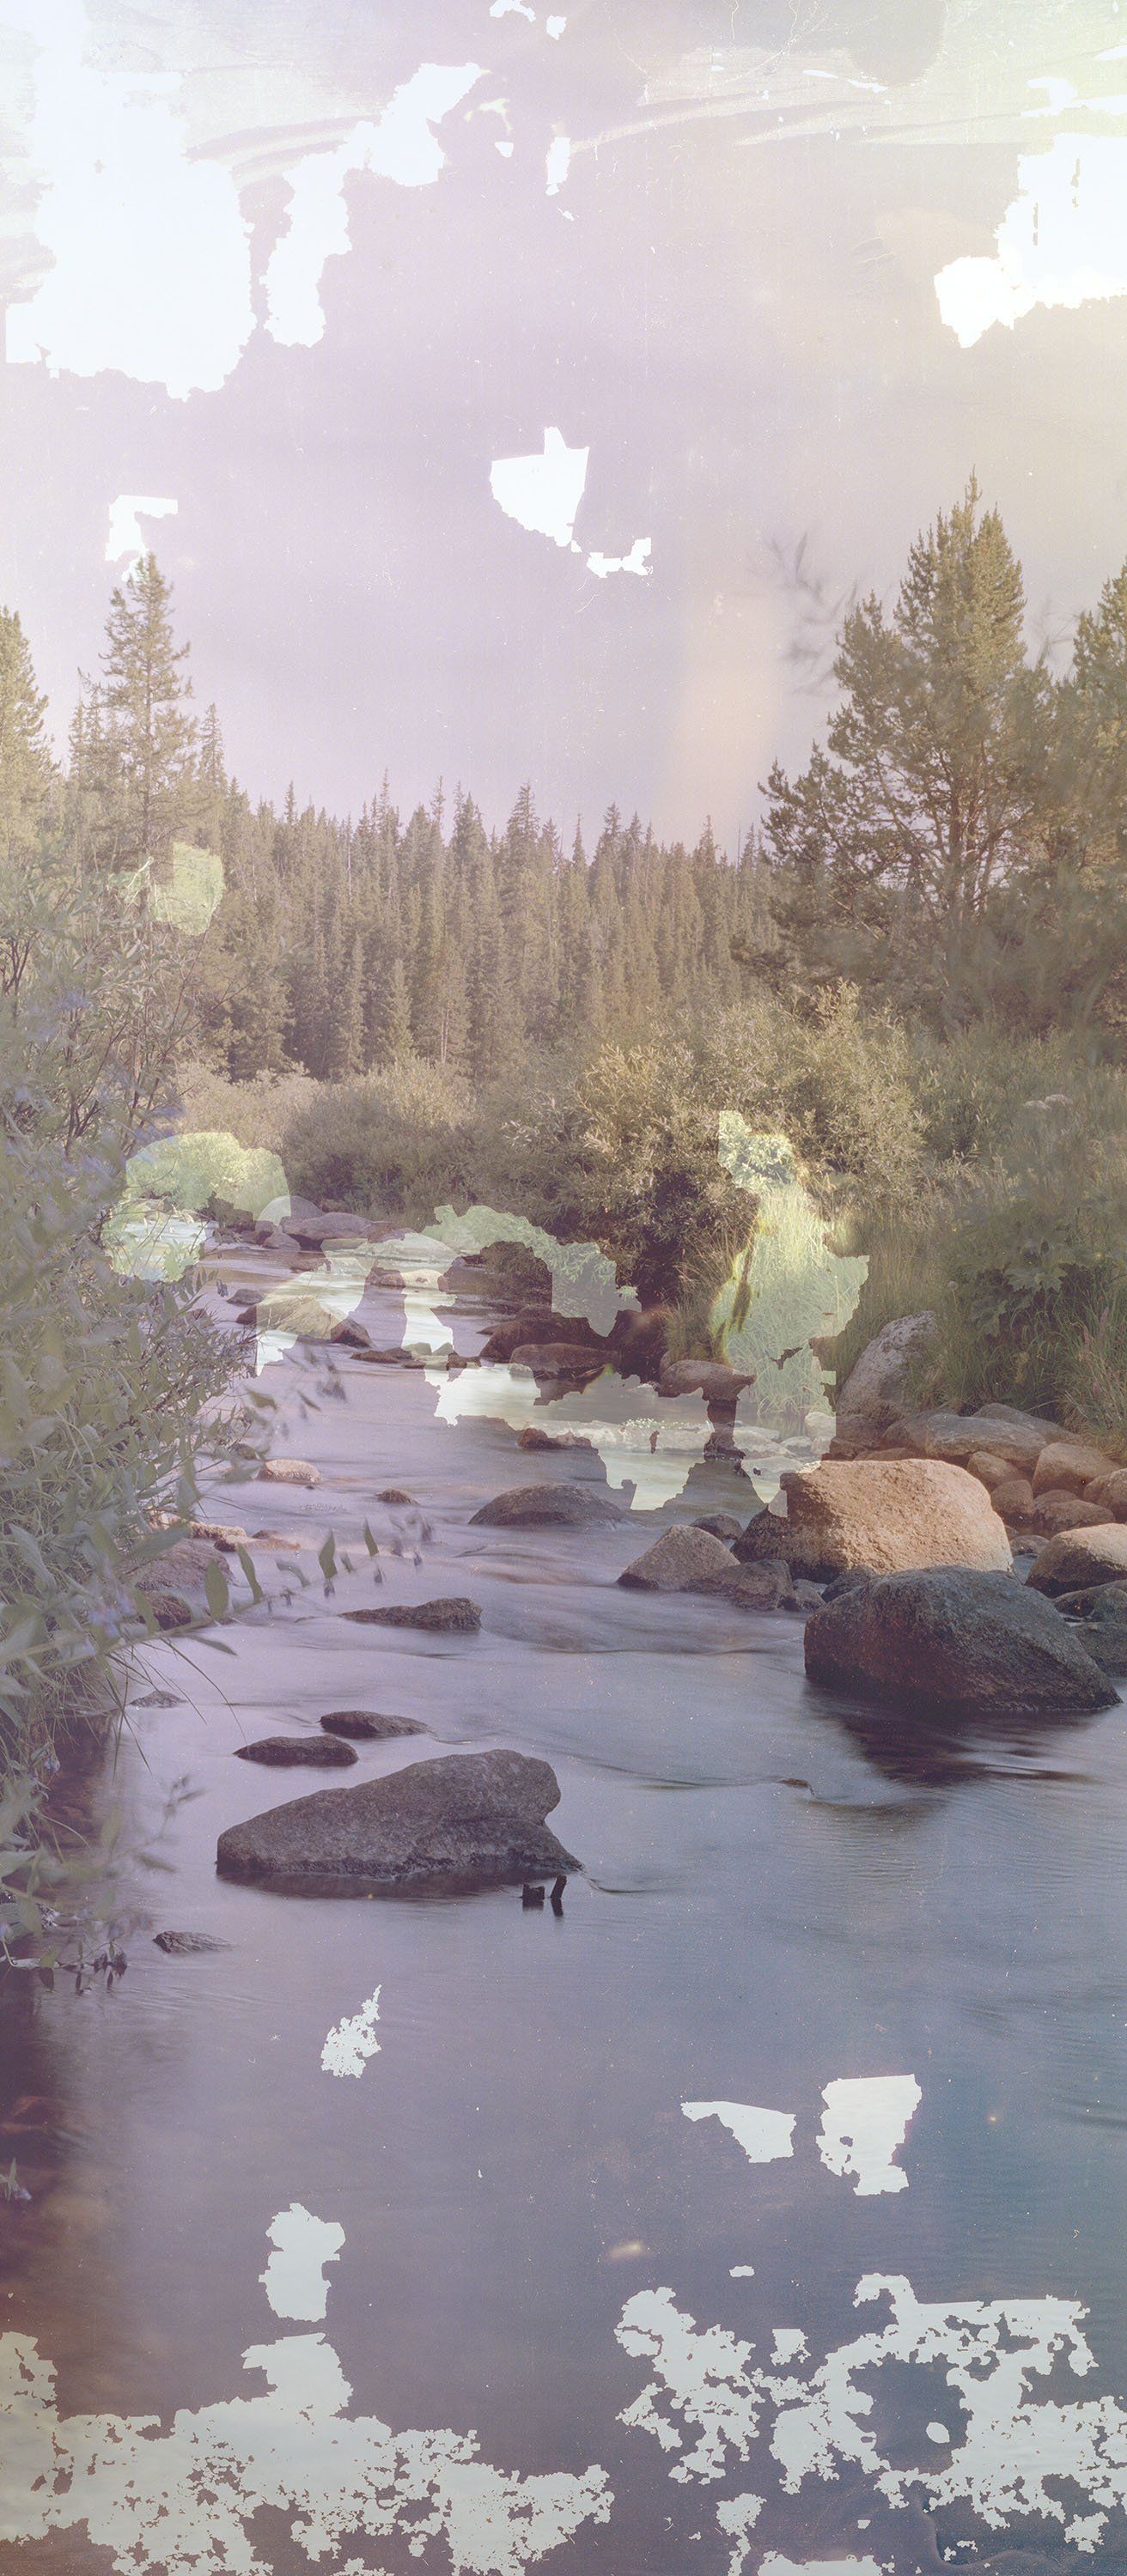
x=547 y=1507
x=720 y=1525
x=465 y=1820
x=714 y=1379
x=1082 y=1556
x=185 y=1945
x=887 y=1514
x=455 y=1613
x=683 y=1559
x=979 y=1644
x=168 y=1609
x=367 y=1726
x=875 y=1390
x=1104 y=1633
x=288 y=1471
x=320 y=1752
x=558 y=1359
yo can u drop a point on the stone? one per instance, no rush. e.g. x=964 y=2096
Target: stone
x=337 y=1225
x=225 y=1535
x=455 y=1613
x=887 y=1515
x=396 y=1499
x=1081 y=1556
x=1110 y=1492
x=684 y=1559
x=1012 y=1498
x=1076 y=1605
x=720 y=1525
x=364 y=1726
x=879 y=1383
x=186 y=1945
x=1069 y=1467
x=558 y=1359
x=288 y=1471
x=533 y=1438
x=1104 y=1632
x=990 y=1469
x=1001 y=1431
x=290 y=1752
x=278 y=1538
x=547 y=1506
x=980 y=1644
x=1052 y=1512
x=461 y=1821
x=351 y=1335
x=713 y=1379
x=168 y=1609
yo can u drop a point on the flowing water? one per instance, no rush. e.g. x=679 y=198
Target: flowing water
x=496 y=2234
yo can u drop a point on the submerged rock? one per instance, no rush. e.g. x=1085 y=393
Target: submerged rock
x=319 y=1752
x=456 y=1612
x=367 y=1726
x=981 y=1644
x=533 y=1438
x=1081 y=1556
x=185 y=1945
x=888 y=1514
x=465 y=1820
x=288 y=1471
x=547 y=1506
x=394 y=1495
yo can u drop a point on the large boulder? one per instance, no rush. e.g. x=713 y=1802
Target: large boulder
x=998 y=1431
x=981 y=1645
x=1081 y=1556
x=1069 y=1467
x=880 y=1382
x=1110 y=1492
x=547 y=1507
x=683 y=1559
x=882 y=1514
x=464 y=1820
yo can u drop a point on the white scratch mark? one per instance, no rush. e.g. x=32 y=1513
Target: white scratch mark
x=865 y=2120
x=126 y=536
x=554 y=27
x=638 y=560
x=293 y=2279
x=736 y=2519
x=557 y=163
x=1062 y=242
x=543 y=493
x=765 y=2136
x=352 y=2042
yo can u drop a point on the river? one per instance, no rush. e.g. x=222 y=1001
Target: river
x=498 y=2232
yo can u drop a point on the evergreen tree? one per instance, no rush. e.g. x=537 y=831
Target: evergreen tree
x=147 y=784
x=26 y=767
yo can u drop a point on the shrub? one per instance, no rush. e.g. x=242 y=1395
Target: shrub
x=396 y=1142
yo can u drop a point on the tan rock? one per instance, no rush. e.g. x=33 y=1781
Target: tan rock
x=890 y=1515
x=1053 y=1512
x=713 y=1379
x=990 y=1469
x=1080 y=1557
x=288 y=1471
x=681 y=1560
x=1013 y=1501
x=1111 y=1493
x=1069 y=1467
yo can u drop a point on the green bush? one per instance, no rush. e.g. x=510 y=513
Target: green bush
x=395 y=1143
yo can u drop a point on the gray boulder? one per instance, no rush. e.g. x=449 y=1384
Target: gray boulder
x=878 y=1385
x=999 y=1431
x=291 y=1752
x=455 y=1613
x=187 y=1945
x=683 y=1559
x=465 y=1820
x=979 y=1644
x=366 y=1726
x=547 y=1507
x=720 y=1525
x=1104 y=1631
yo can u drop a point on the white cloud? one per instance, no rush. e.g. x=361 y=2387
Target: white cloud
x=151 y=260
x=638 y=560
x=400 y=145
x=294 y=2276
x=763 y=2135
x=543 y=493
x=351 y=2043
x=1062 y=242
x=865 y=2120
x=126 y=536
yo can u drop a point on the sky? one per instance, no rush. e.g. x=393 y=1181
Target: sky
x=484 y=368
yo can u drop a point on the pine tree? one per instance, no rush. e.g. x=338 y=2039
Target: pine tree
x=26 y=767
x=145 y=693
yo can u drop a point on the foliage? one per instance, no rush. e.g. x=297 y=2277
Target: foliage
x=399 y=1140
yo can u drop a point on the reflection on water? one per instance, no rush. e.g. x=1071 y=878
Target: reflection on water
x=559 y=2320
